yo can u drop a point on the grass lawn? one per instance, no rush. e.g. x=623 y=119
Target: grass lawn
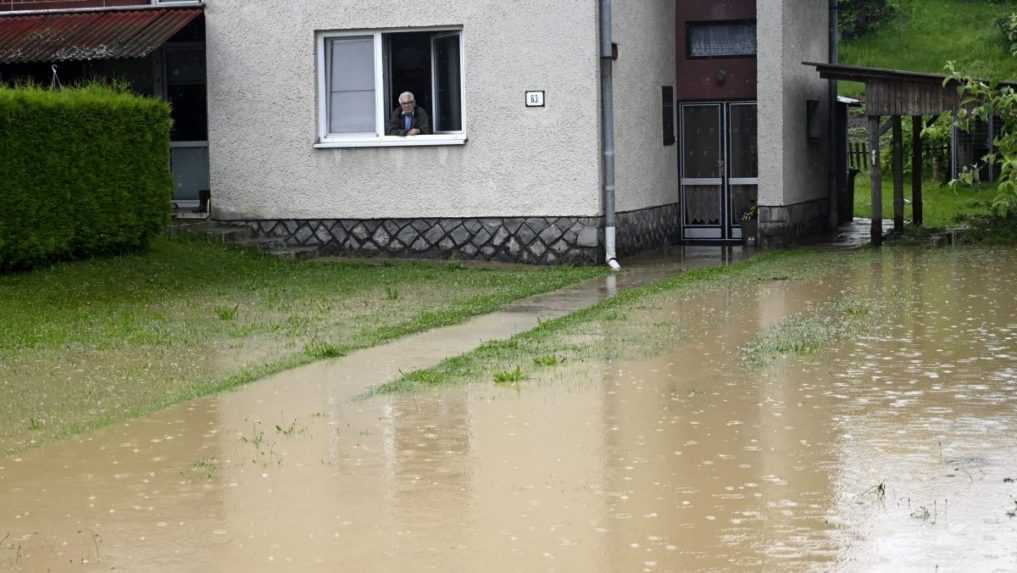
x=636 y=323
x=926 y=34
x=87 y=344
x=942 y=203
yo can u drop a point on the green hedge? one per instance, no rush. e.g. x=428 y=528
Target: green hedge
x=83 y=172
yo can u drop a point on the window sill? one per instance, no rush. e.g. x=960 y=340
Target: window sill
x=392 y=141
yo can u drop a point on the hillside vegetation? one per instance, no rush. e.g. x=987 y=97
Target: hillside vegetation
x=924 y=34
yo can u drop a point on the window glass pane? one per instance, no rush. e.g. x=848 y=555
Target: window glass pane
x=352 y=112
x=350 y=70
x=712 y=39
x=185 y=90
x=189 y=109
x=701 y=140
x=744 y=152
x=448 y=84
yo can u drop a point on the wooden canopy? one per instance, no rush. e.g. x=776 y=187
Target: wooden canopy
x=896 y=93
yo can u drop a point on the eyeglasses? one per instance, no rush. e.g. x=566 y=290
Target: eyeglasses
x=411 y=102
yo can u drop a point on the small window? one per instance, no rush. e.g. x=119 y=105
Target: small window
x=722 y=39
x=363 y=74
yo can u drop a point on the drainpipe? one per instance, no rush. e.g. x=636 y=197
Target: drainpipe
x=834 y=177
x=607 y=131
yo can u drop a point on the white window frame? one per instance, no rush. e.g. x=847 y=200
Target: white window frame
x=328 y=140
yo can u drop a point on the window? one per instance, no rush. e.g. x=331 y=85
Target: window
x=722 y=39
x=360 y=77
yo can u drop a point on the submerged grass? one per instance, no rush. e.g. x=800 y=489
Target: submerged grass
x=628 y=325
x=86 y=344
x=807 y=332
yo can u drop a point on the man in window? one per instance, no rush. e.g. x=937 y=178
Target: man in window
x=409 y=118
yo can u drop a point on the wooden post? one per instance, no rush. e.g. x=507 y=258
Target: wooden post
x=898 y=174
x=876 y=232
x=917 y=163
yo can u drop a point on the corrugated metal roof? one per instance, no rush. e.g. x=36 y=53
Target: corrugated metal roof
x=89 y=35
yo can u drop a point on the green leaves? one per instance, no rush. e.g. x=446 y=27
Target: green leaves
x=982 y=100
x=86 y=173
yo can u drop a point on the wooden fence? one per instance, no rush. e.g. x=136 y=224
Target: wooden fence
x=858 y=154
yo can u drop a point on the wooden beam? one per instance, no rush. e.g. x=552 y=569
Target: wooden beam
x=876 y=231
x=917 y=162
x=898 y=174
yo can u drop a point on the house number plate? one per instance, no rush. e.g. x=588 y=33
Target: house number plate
x=535 y=99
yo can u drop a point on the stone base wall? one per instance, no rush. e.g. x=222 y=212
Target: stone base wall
x=787 y=224
x=535 y=240
x=650 y=228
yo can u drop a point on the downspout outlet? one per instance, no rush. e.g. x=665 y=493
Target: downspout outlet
x=609 y=250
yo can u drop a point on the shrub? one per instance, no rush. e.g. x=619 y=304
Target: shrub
x=85 y=172
x=980 y=100
x=1009 y=27
x=858 y=17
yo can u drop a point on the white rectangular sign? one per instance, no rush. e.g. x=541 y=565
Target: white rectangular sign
x=535 y=99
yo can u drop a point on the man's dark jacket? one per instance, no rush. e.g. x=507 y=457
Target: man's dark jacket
x=421 y=121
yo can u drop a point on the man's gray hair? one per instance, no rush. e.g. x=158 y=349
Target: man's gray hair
x=405 y=95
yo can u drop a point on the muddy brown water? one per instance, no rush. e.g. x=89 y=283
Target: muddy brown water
x=892 y=451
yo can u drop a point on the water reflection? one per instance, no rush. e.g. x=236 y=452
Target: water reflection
x=894 y=450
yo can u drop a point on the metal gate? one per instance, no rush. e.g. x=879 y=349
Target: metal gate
x=719 y=168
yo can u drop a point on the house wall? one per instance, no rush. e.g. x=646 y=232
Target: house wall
x=713 y=78
x=516 y=162
x=793 y=186
x=646 y=169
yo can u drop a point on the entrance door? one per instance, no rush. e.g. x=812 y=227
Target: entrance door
x=186 y=92
x=719 y=168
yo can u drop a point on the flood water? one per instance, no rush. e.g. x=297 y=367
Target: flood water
x=892 y=451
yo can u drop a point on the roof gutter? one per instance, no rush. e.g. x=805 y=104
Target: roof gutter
x=607 y=132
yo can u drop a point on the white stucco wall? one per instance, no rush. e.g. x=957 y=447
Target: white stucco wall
x=792 y=167
x=646 y=170
x=518 y=161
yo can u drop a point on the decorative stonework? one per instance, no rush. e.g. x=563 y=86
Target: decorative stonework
x=785 y=225
x=534 y=240
x=648 y=229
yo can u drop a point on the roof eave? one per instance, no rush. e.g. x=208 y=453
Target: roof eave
x=139 y=8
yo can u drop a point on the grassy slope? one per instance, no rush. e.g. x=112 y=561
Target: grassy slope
x=86 y=344
x=927 y=33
